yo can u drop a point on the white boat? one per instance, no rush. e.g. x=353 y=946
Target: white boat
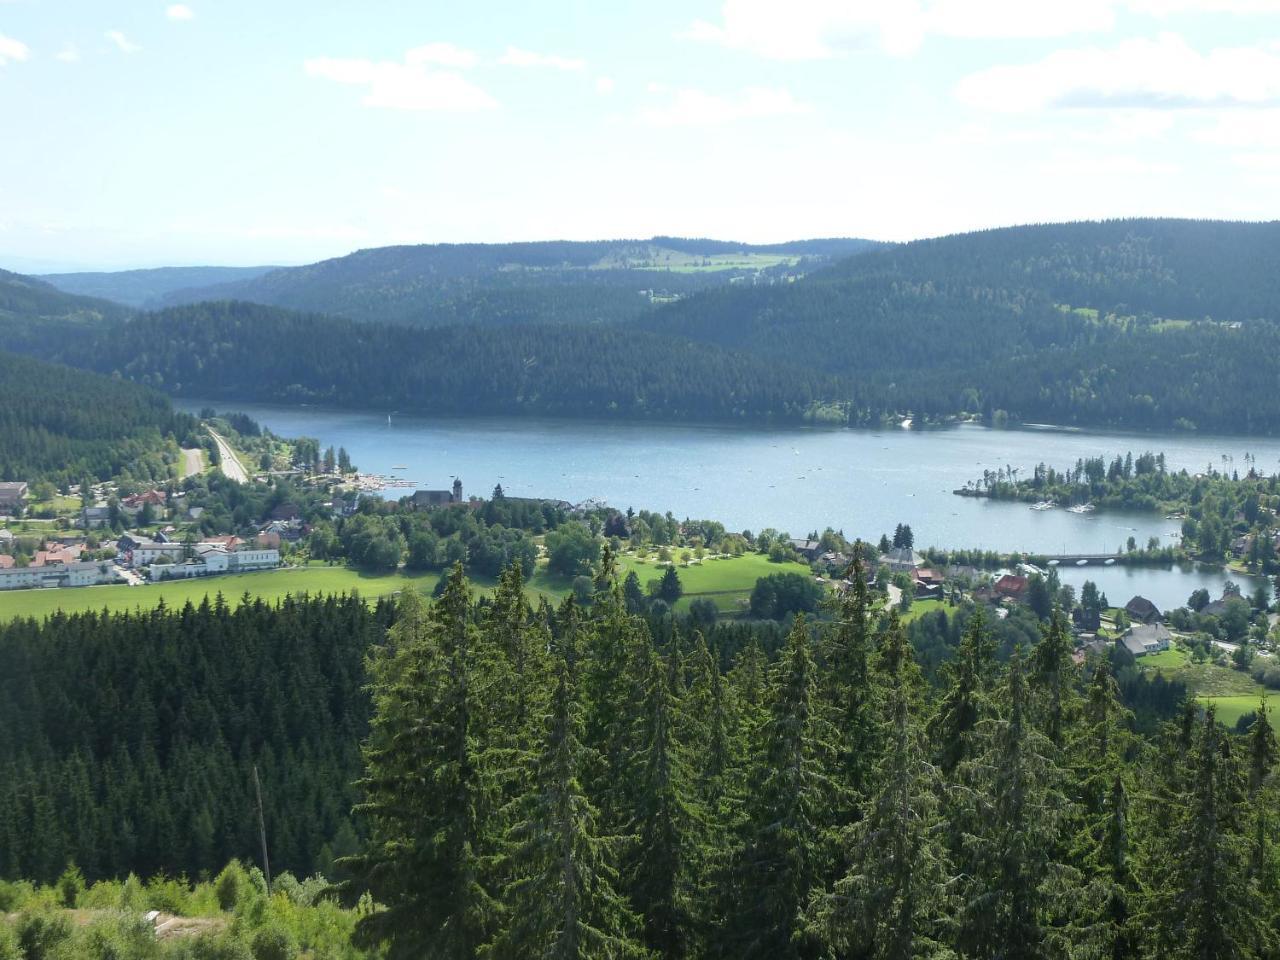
x=1082 y=508
x=1111 y=562
x=1082 y=563
x=1043 y=505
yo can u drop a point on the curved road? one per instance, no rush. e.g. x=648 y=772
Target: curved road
x=228 y=460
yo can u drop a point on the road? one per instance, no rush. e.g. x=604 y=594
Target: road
x=192 y=462
x=228 y=460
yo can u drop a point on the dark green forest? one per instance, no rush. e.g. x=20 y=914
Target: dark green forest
x=127 y=741
x=1141 y=324
x=30 y=299
x=586 y=783
x=497 y=283
x=239 y=351
x=62 y=425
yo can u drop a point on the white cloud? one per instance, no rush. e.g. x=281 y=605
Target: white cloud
x=410 y=85
x=604 y=86
x=515 y=57
x=123 y=43
x=812 y=29
x=823 y=29
x=697 y=108
x=1165 y=8
x=442 y=54
x=1162 y=73
x=69 y=53
x=1242 y=128
x=12 y=50
x=179 y=11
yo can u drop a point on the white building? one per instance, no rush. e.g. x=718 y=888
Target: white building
x=146 y=552
x=212 y=559
x=85 y=573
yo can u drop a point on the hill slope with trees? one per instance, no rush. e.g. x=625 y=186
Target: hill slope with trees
x=63 y=425
x=555 y=281
x=241 y=351
x=29 y=299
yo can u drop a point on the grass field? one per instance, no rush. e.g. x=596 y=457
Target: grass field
x=1231 y=709
x=1175 y=658
x=920 y=607
x=270 y=585
x=726 y=582
x=1233 y=693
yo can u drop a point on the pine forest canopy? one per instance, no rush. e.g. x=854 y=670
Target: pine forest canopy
x=504 y=781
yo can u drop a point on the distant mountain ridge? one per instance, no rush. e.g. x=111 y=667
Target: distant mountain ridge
x=28 y=299
x=537 y=282
x=1142 y=323
x=146 y=288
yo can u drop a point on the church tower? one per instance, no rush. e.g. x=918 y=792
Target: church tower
x=457 y=490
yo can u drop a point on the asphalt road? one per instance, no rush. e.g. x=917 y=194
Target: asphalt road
x=228 y=460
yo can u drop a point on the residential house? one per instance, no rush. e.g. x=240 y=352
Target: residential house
x=1142 y=610
x=57 y=554
x=901 y=560
x=1144 y=638
x=6 y=562
x=928 y=583
x=13 y=493
x=134 y=503
x=1011 y=587
x=809 y=549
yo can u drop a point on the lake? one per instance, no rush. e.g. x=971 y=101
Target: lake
x=861 y=481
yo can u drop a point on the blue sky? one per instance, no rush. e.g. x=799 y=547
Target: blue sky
x=218 y=131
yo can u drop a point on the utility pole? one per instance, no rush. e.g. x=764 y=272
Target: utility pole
x=262 y=829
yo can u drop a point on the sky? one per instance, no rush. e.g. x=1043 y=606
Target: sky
x=140 y=134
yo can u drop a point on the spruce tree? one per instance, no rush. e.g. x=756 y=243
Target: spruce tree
x=1100 y=749
x=1262 y=755
x=892 y=903
x=785 y=852
x=847 y=686
x=667 y=825
x=424 y=796
x=561 y=898
x=1054 y=678
x=966 y=699
x=1011 y=834
x=1204 y=904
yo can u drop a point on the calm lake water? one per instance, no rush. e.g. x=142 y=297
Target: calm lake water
x=863 y=482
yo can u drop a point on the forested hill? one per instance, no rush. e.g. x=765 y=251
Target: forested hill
x=556 y=281
x=1090 y=323
x=242 y=351
x=144 y=288
x=64 y=425
x=29 y=299
x=1174 y=269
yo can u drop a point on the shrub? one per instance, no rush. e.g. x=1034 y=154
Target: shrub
x=274 y=943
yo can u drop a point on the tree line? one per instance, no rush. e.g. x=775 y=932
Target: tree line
x=504 y=780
